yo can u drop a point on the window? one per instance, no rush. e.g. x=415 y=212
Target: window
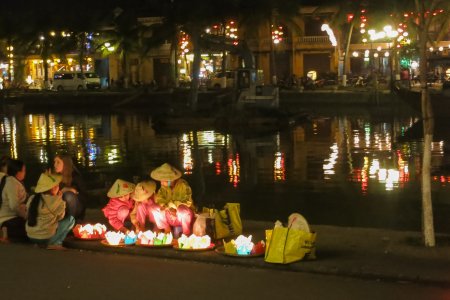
x=63 y=76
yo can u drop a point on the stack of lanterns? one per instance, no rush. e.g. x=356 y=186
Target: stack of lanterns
x=150 y=238
x=89 y=231
x=115 y=238
x=244 y=246
x=194 y=242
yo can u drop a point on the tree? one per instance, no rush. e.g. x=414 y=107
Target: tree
x=264 y=14
x=179 y=14
x=83 y=30
x=348 y=14
x=18 y=35
x=123 y=35
x=428 y=20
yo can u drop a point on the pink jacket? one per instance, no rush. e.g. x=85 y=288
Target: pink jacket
x=116 y=211
x=141 y=212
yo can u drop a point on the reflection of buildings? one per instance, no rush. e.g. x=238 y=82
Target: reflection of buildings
x=326 y=151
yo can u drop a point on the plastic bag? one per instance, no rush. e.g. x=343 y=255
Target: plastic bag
x=227 y=222
x=286 y=245
x=199 y=227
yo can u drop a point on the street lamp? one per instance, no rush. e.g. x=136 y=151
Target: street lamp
x=386 y=34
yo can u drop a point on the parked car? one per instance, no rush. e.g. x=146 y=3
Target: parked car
x=92 y=80
x=67 y=80
x=222 y=80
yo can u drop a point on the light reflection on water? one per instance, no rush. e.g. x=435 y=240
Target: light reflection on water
x=344 y=158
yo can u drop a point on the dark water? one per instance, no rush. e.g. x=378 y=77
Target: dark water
x=352 y=168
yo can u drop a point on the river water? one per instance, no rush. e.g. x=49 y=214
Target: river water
x=351 y=168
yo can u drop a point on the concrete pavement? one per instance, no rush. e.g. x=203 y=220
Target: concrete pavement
x=355 y=252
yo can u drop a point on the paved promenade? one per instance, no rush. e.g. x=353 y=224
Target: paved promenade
x=355 y=252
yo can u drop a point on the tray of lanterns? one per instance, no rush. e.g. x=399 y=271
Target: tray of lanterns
x=194 y=243
x=242 y=247
x=119 y=239
x=152 y=239
x=89 y=232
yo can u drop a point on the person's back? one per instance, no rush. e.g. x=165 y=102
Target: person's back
x=47 y=223
x=50 y=211
x=13 y=196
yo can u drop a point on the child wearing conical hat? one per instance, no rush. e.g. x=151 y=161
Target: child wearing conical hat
x=47 y=223
x=143 y=197
x=174 y=199
x=120 y=204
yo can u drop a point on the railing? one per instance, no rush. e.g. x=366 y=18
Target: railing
x=314 y=39
x=301 y=42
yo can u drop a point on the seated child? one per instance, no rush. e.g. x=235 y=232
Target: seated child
x=174 y=198
x=120 y=204
x=47 y=223
x=144 y=201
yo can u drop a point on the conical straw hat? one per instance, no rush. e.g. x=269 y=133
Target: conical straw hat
x=47 y=181
x=165 y=173
x=144 y=190
x=120 y=188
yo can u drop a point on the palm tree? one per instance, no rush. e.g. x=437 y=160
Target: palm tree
x=123 y=35
x=14 y=33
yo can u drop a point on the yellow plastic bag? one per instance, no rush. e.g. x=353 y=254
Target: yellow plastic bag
x=287 y=245
x=227 y=221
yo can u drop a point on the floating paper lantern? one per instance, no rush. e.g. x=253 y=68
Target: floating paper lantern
x=259 y=248
x=130 y=238
x=146 y=237
x=114 y=238
x=244 y=246
x=151 y=238
x=89 y=231
x=194 y=242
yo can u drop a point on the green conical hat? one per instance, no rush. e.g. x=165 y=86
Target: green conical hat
x=144 y=190
x=47 y=181
x=165 y=173
x=120 y=188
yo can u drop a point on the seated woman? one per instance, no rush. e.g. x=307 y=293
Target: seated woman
x=120 y=204
x=144 y=201
x=174 y=199
x=47 y=223
x=13 y=197
x=72 y=186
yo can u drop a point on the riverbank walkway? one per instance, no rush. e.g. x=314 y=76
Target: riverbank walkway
x=374 y=254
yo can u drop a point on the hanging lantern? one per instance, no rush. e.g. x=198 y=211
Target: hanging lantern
x=277 y=34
